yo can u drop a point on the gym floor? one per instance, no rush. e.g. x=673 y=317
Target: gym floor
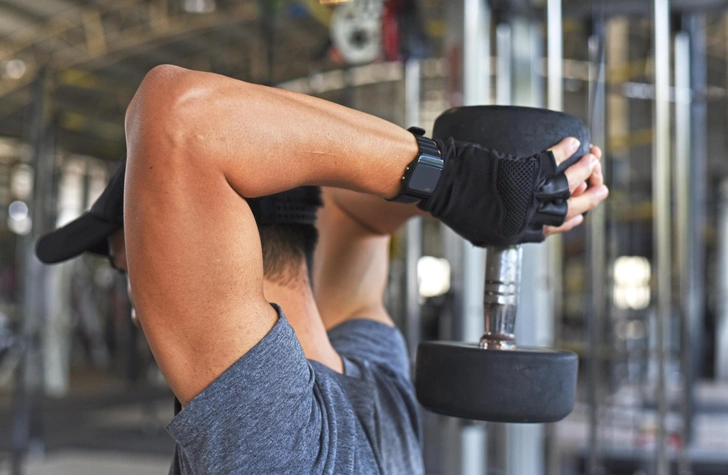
x=106 y=426
x=102 y=426
x=86 y=462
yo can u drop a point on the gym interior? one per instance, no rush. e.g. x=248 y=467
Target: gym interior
x=635 y=294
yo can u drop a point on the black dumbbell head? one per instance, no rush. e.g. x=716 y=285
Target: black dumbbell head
x=514 y=130
x=522 y=385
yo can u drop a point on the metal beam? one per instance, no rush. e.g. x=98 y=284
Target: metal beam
x=681 y=177
x=134 y=41
x=662 y=222
x=27 y=433
x=588 y=9
x=476 y=91
x=596 y=249
x=413 y=321
x=21 y=11
x=122 y=40
x=555 y=244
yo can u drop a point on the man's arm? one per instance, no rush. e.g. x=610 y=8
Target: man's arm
x=197 y=143
x=351 y=264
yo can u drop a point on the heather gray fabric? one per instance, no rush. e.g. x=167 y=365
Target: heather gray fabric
x=274 y=412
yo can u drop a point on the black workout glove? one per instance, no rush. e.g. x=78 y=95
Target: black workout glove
x=494 y=199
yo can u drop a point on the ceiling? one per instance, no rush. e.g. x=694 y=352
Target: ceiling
x=94 y=53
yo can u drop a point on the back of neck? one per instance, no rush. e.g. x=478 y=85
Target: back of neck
x=298 y=304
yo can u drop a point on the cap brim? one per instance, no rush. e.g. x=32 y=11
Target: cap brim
x=87 y=233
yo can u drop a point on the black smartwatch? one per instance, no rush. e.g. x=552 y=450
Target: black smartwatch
x=422 y=174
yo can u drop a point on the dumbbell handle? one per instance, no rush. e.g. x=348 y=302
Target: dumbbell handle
x=502 y=288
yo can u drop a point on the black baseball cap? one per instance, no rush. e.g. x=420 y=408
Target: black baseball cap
x=88 y=232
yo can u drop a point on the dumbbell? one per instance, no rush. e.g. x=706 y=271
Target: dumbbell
x=495 y=379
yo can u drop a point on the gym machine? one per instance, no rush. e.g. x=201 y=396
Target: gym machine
x=495 y=379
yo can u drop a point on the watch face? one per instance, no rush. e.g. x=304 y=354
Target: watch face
x=424 y=178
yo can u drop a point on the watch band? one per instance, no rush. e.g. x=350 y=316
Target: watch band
x=422 y=174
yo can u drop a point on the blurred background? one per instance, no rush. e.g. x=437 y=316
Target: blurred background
x=638 y=292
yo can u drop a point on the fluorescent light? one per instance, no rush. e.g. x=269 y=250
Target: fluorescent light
x=433 y=276
x=632 y=282
x=14 y=69
x=19 y=220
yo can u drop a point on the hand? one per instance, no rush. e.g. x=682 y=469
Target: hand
x=587 y=187
x=491 y=198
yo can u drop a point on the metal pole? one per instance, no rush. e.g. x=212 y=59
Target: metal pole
x=596 y=248
x=464 y=444
x=661 y=213
x=504 y=77
x=721 y=328
x=525 y=453
x=555 y=60
x=682 y=178
x=696 y=295
x=476 y=81
x=449 y=430
x=476 y=53
x=475 y=77
x=414 y=225
x=555 y=88
x=498 y=433
x=27 y=433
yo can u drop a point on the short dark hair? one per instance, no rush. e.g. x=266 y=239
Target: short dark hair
x=286 y=245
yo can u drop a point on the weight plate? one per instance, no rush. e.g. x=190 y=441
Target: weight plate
x=514 y=130
x=523 y=385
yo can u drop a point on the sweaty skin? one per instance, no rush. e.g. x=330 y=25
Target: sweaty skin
x=198 y=142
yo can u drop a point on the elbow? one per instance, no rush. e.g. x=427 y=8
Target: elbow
x=158 y=114
x=155 y=93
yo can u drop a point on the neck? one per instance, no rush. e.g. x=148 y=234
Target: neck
x=298 y=303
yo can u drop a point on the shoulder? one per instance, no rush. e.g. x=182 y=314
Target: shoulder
x=378 y=344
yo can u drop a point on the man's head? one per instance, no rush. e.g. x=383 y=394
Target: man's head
x=288 y=235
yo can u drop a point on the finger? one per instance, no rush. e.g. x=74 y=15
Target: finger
x=564 y=149
x=579 y=189
x=596 y=151
x=581 y=170
x=587 y=201
x=567 y=226
x=597 y=177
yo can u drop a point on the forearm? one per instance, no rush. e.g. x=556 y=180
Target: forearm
x=373 y=214
x=350 y=269
x=266 y=140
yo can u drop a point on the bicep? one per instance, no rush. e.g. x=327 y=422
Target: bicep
x=351 y=268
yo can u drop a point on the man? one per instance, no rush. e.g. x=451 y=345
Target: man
x=355 y=230
x=199 y=145
x=285 y=223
